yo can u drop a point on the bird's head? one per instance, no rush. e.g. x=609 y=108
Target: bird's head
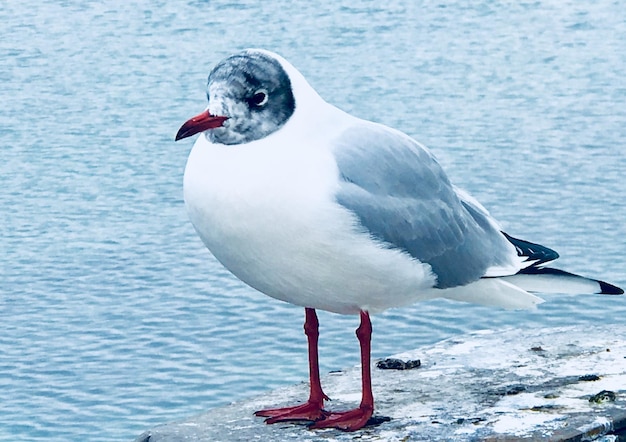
x=250 y=96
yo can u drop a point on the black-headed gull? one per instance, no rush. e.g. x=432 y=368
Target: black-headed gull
x=321 y=209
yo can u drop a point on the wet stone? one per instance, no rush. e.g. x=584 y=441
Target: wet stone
x=398 y=364
x=589 y=377
x=603 y=396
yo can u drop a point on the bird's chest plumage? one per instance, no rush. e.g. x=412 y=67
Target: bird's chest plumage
x=253 y=205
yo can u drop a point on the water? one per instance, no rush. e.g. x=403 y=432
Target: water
x=115 y=318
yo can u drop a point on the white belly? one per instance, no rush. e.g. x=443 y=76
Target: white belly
x=270 y=219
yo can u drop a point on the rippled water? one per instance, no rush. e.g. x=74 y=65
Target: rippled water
x=114 y=318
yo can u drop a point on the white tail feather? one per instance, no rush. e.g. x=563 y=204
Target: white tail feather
x=493 y=292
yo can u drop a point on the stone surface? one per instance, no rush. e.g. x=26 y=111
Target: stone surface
x=546 y=384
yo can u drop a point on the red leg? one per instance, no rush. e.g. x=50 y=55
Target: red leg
x=312 y=410
x=355 y=419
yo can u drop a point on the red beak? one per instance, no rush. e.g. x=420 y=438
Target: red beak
x=199 y=123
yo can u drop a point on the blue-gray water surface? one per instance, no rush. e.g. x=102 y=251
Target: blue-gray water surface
x=115 y=318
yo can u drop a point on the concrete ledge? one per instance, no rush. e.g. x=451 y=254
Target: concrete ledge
x=560 y=384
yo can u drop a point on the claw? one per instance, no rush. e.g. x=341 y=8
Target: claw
x=309 y=411
x=346 y=421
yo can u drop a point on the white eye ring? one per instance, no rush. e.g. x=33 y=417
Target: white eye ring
x=260 y=98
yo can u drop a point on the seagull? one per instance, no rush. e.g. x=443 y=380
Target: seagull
x=318 y=208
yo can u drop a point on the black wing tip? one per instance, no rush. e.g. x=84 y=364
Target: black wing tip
x=532 y=251
x=610 y=289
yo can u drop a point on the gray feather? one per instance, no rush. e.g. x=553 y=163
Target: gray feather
x=403 y=198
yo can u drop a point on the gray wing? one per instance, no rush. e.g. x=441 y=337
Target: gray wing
x=403 y=198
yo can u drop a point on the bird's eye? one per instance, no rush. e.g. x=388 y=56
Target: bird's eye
x=259 y=98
